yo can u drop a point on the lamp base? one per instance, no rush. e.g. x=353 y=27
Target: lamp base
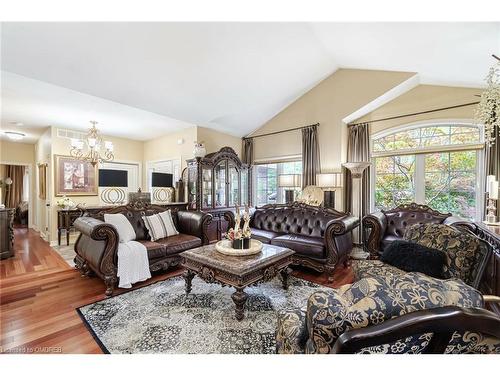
x=329 y=199
x=358 y=253
x=289 y=196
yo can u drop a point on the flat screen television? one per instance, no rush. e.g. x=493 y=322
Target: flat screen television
x=113 y=178
x=161 y=179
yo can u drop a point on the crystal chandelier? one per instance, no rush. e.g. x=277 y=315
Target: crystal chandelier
x=94 y=144
x=488 y=109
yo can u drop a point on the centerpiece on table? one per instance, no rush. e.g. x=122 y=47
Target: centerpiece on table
x=65 y=203
x=240 y=237
x=238 y=240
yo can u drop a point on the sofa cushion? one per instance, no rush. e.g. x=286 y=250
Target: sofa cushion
x=303 y=245
x=371 y=301
x=374 y=268
x=180 y=242
x=263 y=236
x=155 y=249
x=412 y=257
x=460 y=247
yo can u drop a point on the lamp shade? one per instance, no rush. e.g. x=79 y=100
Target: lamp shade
x=289 y=180
x=326 y=180
x=489 y=180
x=493 y=190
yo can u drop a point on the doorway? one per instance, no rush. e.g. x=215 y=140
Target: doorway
x=15 y=192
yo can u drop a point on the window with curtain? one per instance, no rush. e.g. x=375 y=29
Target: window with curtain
x=435 y=164
x=266 y=189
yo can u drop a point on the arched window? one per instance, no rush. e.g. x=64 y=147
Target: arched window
x=434 y=163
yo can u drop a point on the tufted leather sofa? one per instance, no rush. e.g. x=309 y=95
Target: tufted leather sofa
x=97 y=245
x=387 y=226
x=320 y=237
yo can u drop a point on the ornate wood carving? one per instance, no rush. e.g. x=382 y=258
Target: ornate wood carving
x=414 y=207
x=217 y=271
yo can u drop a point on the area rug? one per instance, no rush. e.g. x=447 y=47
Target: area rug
x=67 y=253
x=161 y=318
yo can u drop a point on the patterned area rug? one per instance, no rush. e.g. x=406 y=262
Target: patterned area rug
x=67 y=253
x=160 y=318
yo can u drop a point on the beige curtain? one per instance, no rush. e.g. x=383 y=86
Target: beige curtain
x=310 y=155
x=14 y=192
x=358 y=149
x=247 y=154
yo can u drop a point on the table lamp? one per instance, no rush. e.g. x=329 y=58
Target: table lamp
x=328 y=181
x=492 y=190
x=289 y=181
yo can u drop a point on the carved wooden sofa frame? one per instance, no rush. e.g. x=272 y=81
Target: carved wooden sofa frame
x=95 y=233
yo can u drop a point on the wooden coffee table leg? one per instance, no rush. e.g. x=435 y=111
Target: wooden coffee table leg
x=188 y=278
x=239 y=298
x=285 y=273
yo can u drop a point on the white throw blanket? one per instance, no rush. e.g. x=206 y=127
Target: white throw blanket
x=133 y=264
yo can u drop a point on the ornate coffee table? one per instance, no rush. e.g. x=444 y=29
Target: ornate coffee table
x=237 y=271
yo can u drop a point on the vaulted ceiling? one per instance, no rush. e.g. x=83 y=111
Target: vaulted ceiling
x=144 y=79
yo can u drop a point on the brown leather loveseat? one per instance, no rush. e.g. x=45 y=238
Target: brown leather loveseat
x=387 y=226
x=320 y=237
x=97 y=245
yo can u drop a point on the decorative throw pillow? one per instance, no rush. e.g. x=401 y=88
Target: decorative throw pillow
x=125 y=230
x=460 y=247
x=412 y=257
x=160 y=225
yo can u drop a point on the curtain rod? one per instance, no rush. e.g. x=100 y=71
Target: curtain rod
x=280 y=131
x=415 y=113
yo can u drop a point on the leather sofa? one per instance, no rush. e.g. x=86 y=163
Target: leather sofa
x=320 y=237
x=97 y=244
x=384 y=227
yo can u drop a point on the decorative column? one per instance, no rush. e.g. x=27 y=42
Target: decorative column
x=357 y=169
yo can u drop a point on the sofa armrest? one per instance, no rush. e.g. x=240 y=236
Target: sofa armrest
x=194 y=223
x=460 y=222
x=338 y=241
x=376 y=222
x=98 y=232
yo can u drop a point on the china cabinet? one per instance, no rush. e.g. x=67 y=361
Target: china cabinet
x=217 y=183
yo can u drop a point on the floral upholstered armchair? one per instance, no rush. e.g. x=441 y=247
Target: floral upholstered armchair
x=374 y=300
x=466 y=254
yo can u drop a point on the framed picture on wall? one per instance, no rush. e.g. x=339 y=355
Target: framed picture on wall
x=42 y=181
x=74 y=177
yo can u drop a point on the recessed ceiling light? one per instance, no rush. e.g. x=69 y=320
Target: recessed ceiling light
x=16 y=123
x=15 y=136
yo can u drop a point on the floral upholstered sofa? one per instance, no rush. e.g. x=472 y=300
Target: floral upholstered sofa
x=371 y=301
x=466 y=254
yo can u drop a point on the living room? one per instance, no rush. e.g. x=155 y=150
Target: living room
x=289 y=186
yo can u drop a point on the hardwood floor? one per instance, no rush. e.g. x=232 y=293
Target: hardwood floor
x=39 y=293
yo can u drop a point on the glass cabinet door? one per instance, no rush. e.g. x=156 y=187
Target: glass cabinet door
x=244 y=186
x=206 y=193
x=191 y=187
x=234 y=185
x=220 y=184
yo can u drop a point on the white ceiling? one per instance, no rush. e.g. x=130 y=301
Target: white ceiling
x=231 y=77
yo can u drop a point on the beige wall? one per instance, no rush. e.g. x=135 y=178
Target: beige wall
x=339 y=95
x=215 y=140
x=424 y=98
x=125 y=150
x=43 y=152
x=17 y=152
x=328 y=103
x=168 y=148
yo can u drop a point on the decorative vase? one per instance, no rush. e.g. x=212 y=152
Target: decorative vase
x=242 y=243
